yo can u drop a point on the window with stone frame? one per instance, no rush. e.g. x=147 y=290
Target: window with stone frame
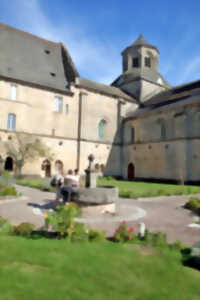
x=13 y=92
x=135 y=62
x=11 y=125
x=102 y=129
x=163 y=131
x=147 y=62
x=58 y=104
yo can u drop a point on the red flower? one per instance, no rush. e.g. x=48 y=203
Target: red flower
x=131 y=229
x=130 y=237
x=124 y=222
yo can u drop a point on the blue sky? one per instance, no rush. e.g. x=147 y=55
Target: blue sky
x=96 y=32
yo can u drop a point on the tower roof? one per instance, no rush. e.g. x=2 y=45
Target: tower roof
x=141 y=42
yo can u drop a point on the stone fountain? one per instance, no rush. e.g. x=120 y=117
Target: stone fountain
x=92 y=199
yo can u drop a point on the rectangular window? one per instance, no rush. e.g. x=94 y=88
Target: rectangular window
x=67 y=109
x=13 y=92
x=11 y=122
x=135 y=62
x=58 y=104
x=147 y=62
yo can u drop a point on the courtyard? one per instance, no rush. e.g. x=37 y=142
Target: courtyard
x=162 y=213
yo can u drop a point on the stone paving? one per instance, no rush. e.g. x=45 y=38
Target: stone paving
x=164 y=214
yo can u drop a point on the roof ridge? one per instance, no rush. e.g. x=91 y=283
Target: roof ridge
x=28 y=33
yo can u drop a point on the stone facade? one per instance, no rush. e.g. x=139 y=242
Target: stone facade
x=138 y=128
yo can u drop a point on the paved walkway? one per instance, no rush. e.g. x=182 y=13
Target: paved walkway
x=164 y=214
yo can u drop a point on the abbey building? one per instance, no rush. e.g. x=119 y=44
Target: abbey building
x=139 y=127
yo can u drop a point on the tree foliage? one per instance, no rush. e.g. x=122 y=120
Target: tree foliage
x=24 y=148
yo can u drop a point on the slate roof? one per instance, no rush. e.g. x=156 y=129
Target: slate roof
x=102 y=88
x=141 y=42
x=141 y=73
x=178 y=96
x=31 y=59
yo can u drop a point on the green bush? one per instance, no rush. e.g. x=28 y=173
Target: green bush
x=96 y=235
x=8 y=190
x=24 y=229
x=62 y=219
x=194 y=205
x=157 y=239
x=5 y=226
x=77 y=232
x=124 y=233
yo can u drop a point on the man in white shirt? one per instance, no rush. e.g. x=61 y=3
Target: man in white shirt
x=71 y=184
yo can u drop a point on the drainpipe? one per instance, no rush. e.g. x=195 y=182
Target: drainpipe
x=80 y=109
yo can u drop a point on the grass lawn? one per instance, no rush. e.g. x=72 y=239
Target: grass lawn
x=126 y=188
x=7 y=190
x=133 y=189
x=56 y=269
x=42 y=184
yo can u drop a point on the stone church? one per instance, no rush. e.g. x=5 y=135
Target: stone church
x=138 y=128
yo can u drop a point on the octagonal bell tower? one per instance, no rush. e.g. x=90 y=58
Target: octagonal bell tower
x=140 y=76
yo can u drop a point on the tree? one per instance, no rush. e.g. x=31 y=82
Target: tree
x=25 y=147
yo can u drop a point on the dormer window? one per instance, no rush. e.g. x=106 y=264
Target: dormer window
x=135 y=62
x=147 y=62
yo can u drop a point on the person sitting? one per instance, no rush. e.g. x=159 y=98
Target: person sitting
x=71 y=184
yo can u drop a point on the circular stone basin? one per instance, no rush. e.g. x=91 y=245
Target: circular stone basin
x=95 y=201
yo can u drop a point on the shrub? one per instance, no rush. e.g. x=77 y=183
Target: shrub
x=77 y=233
x=8 y=190
x=62 y=219
x=157 y=239
x=194 y=205
x=124 y=233
x=24 y=229
x=177 y=245
x=96 y=235
x=5 y=226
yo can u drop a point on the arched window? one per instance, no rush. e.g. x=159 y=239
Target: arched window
x=46 y=167
x=8 y=164
x=101 y=129
x=102 y=167
x=11 y=122
x=96 y=167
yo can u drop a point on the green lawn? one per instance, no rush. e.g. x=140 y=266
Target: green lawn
x=56 y=269
x=42 y=184
x=126 y=188
x=7 y=190
x=144 y=189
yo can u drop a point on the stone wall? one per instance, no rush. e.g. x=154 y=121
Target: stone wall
x=169 y=154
